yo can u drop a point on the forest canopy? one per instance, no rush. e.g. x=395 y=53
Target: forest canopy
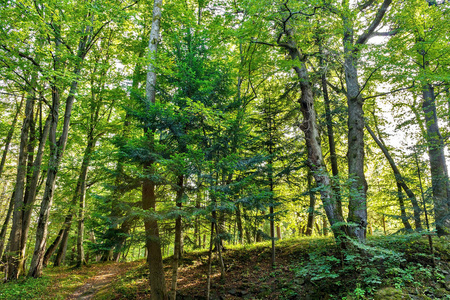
x=198 y=124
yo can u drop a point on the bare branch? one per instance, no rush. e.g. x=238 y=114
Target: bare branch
x=23 y=55
x=367 y=80
x=388 y=33
x=391 y=92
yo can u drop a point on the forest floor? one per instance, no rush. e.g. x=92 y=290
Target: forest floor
x=392 y=267
x=100 y=282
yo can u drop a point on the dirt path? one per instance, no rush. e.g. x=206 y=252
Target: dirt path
x=97 y=283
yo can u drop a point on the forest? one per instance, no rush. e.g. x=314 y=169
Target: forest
x=304 y=141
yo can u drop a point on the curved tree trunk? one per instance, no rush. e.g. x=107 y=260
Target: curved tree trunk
x=53 y=247
x=399 y=179
x=403 y=215
x=310 y=128
x=9 y=137
x=5 y=225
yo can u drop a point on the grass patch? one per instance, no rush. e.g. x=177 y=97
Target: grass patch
x=26 y=288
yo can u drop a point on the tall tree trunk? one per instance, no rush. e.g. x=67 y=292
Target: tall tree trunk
x=52 y=248
x=324 y=225
x=401 y=203
x=357 y=206
x=153 y=242
x=197 y=228
x=309 y=127
x=218 y=245
x=312 y=204
x=399 y=179
x=5 y=224
x=61 y=254
x=56 y=152
x=9 y=136
x=154 y=259
x=33 y=183
x=239 y=224
x=208 y=279
x=82 y=196
x=271 y=190
x=41 y=230
x=439 y=178
x=80 y=237
x=57 y=149
x=330 y=133
x=15 y=260
x=177 y=243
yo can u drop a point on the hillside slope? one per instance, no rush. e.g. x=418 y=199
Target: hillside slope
x=392 y=267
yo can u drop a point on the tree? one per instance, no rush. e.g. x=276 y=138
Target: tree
x=153 y=244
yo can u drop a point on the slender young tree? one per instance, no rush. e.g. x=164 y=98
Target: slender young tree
x=153 y=242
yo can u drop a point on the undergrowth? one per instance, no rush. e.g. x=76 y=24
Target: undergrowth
x=392 y=267
x=25 y=288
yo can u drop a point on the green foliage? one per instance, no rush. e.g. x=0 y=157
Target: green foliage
x=27 y=288
x=361 y=270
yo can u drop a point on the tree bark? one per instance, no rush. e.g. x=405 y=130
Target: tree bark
x=82 y=196
x=9 y=137
x=15 y=259
x=153 y=243
x=439 y=178
x=239 y=224
x=357 y=206
x=309 y=127
x=41 y=230
x=208 y=280
x=312 y=204
x=57 y=149
x=53 y=247
x=401 y=203
x=61 y=254
x=5 y=224
x=33 y=184
x=177 y=242
x=330 y=133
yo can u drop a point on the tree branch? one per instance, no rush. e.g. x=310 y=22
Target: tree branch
x=264 y=43
x=23 y=55
x=389 y=33
x=367 y=80
x=378 y=17
x=365 y=5
x=391 y=92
